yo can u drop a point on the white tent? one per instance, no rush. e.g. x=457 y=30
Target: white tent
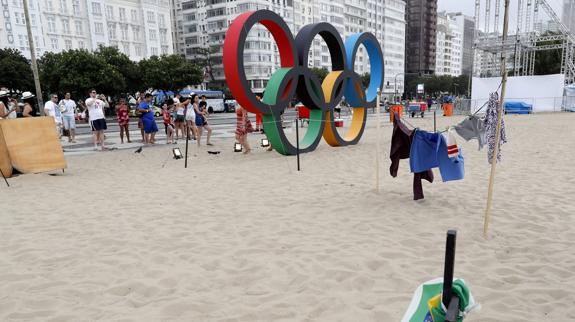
x=544 y=93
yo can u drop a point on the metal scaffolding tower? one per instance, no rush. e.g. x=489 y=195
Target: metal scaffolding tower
x=522 y=46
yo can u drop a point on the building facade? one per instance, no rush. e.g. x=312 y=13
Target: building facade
x=200 y=27
x=421 y=32
x=139 y=29
x=449 y=54
x=568 y=16
x=466 y=25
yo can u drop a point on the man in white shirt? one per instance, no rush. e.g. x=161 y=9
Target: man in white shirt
x=97 y=119
x=51 y=109
x=69 y=116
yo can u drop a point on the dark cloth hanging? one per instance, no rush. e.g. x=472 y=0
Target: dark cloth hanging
x=400 y=149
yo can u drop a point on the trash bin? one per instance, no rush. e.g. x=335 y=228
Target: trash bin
x=395 y=108
x=447 y=109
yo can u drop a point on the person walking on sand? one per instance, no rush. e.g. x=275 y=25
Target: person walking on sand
x=97 y=119
x=242 y=128
x=140 y=123
x=180 y=121
x=52 y=109
x=202 y=119
x=168 y=124
x=69 y=116
x=190 y=112
x=123 y=120
x=148 y=121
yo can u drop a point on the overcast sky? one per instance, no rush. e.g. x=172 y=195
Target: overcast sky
x=468 y=8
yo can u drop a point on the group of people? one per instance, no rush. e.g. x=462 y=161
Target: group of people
x=182 y=117
x=10 y=108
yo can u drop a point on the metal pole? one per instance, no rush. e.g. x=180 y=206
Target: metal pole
x=449 y=266
x=499 y=118
x=33 y=58
x=434 y=121
x=297 y=139
x=187 y=139
x=377 y=143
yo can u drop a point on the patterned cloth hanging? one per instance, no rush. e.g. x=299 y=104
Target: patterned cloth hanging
x=491 y=126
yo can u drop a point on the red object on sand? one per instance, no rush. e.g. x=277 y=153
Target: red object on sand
x=303 y=112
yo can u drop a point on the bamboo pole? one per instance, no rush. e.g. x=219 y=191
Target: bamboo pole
x=378 y=137
x=499 y=119
x=33 y=58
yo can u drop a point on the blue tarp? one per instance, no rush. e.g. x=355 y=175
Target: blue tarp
x=518 y=108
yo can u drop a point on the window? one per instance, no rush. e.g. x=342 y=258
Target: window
x=112 y=31
x=137 y=36
x=79 y=28
x=138 y=50
x=151 y=17
x=154 y=51
x=99 y=28
x=81 y=44
x=63 y=6
x=76 y=6
x=110 y=12
x=126 y=47
x=96 y=9
x=134 y=14
x=66 y=26
x=153 y=35
x=54 y=43
x=163 y=37
x=124 y=30
x=68 y=44
x=122 y=14
x=51 y=24
x=161 y=21
x=49 y=5
x=33 y=19
x=164 y=50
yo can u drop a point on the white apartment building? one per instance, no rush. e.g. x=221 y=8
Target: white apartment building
x=138 y=28
x=202 y=24
x=449 y=42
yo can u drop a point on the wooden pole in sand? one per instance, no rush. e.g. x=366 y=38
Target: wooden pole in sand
x=499 y=118
x=33 y=62
x=377 y=109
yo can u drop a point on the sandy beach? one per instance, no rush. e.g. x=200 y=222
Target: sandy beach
x=122 y=236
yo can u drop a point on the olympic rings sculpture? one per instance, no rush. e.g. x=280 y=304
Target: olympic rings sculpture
x=294 y=77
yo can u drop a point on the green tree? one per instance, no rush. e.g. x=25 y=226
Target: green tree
x=321 y=73
x=548 y=61
x=15 y=70
x=122 y=63
x=76 y=71
x=365 y=78
x=169 y=72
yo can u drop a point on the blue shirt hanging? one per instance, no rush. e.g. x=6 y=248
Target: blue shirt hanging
x=429 y=150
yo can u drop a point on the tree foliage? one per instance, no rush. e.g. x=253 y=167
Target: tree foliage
x=77 y=71
x=435 y=85
x=548 y=61
x=122 y=63
x=169 y=72
x=15 y=70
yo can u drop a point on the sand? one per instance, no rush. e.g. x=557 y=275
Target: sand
x=136 y=237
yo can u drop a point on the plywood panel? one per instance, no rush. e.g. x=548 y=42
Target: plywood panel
x=33 y=144
x=5 y=164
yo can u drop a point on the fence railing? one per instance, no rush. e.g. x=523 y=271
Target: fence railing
x=539 y=104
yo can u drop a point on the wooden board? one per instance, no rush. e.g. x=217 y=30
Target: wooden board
x=33 y=145
x=5 y=164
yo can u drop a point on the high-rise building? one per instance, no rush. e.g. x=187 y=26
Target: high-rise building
x=568 y=17
x=466 y=24
x=139 y=29
x=200 y=27
x=449 y=54
x=421 y=32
